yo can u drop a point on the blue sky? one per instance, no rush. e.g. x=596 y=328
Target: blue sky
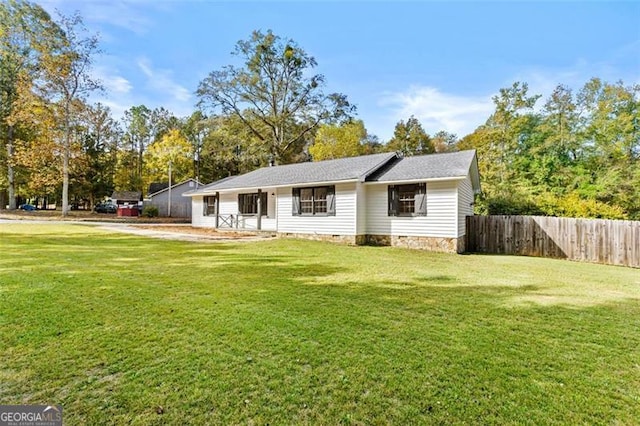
x=439 y=61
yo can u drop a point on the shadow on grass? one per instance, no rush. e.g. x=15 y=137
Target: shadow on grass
x=122 y=260
x=293 y=334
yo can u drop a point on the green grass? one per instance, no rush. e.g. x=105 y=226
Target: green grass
x=113 y=327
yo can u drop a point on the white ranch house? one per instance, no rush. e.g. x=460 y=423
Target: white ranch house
x=384 y=199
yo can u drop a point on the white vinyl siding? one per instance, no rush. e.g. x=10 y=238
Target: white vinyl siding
x=360 y=209
x=465 y=204
x=343 y=223
x=361 y=203
x=197 y=216
x=440 y=221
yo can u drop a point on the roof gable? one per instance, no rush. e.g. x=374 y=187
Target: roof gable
x=192 y=181
x=432 y=166
x=453 y=164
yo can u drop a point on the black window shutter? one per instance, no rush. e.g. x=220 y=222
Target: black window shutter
x=240 y=203
x=263 y=202
x=421 y=200
x=331 y=200
x=205 y=205
x=295 y=201
x=393 y=201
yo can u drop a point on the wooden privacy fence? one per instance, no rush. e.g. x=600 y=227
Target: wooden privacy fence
x=612 y=242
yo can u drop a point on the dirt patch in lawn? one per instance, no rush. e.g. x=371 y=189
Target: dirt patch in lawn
x=209 y=232
x=186 y=232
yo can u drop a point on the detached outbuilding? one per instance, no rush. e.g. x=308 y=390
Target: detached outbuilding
x=387 y=199
x=126 y=198
x=179 y=205
x=128 y=202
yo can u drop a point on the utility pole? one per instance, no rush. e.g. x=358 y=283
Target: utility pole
x=169 y=202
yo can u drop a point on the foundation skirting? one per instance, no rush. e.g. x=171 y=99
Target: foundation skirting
x=439 y=244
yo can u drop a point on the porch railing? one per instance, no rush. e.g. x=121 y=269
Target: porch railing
x=234 y=221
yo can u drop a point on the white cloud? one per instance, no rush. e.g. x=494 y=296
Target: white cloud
x=139 y=83
x=437 y=110
x=119 y=84
x=121 y=14
x=161 y=81
x=112 y=82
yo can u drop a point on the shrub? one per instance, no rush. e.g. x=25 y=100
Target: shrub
x=547 y=204
x=150 y=211
x=507 y=204
x=572 y=205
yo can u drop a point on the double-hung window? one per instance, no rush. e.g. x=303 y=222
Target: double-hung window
x=210 y=205
x=248 y=203
x=408 y=200
x=314 y=201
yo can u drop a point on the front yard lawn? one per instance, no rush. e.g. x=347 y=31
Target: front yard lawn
x=122 y=329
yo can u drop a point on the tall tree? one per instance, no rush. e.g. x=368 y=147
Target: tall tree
x=196 y=128
x=138 y=134
x=549 y=162
x=21 y=24
x=37 y=145
x=143 y=127
x=67 y=80
x=228 y=149
x=444 y=141
x=162 y=121
x=611 y=130
x=339 y=141
x=100 y=136
x=513 y=105
x=274 y=94
x=170 y=157
x=577 y=156
x=410 y=138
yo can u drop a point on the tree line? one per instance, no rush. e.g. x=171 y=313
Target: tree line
x=575 y=156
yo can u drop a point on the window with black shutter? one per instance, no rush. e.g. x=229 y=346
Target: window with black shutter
x=210 y=205
x=248 y=203
x=407 y=200
x=314 y=201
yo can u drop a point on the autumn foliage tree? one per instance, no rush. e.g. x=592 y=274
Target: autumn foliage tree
x=170 y=158
x=22 y=25
x=66 y=82
x=339 y=141
x=410 y=138
x=579 y=155
x=37 y=150
x=274 y=95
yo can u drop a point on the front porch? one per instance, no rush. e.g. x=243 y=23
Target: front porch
x=245 y=222
x=237 y=210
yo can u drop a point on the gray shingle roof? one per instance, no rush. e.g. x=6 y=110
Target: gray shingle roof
x=450 y=164
x=386 y=167
x=126 y=195
x=342 y=169
x=174 y=186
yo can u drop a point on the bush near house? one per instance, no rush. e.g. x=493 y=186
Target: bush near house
x=150 y=211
